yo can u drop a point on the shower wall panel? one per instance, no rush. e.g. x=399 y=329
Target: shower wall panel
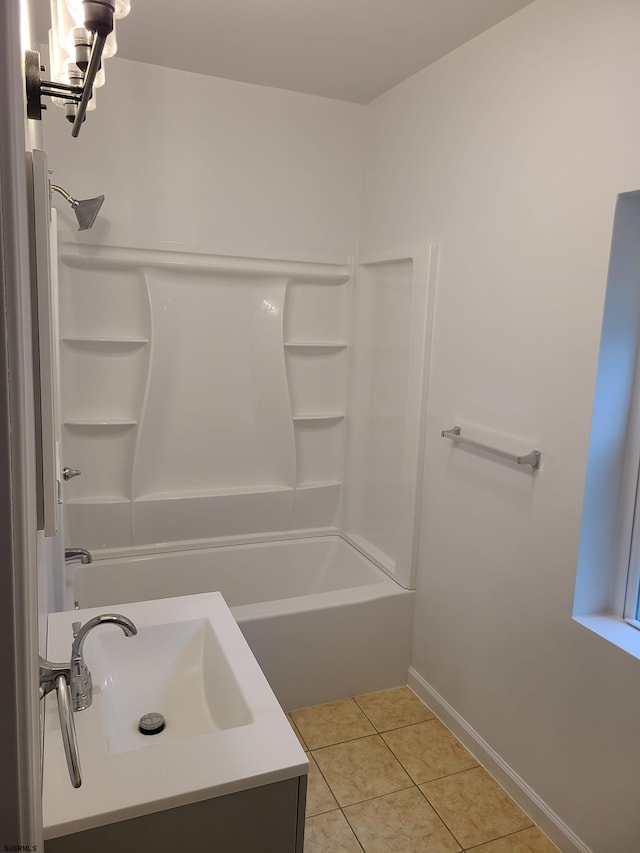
x=217 y=387
x=390 y=343
x=203 y=396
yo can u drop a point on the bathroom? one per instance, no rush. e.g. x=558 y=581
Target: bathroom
x=505 y=158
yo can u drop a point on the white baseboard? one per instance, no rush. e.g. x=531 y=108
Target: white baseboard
x=539 y=812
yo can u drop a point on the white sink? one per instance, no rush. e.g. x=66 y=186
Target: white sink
x=178 y=670
x=224 y=730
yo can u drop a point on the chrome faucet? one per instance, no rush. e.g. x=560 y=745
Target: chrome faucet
x=81 y=683
x=72 y=555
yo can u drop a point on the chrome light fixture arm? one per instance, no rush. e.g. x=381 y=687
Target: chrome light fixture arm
x=87 y=89
x=36 y=87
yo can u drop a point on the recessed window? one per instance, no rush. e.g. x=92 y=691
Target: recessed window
x=608 y=575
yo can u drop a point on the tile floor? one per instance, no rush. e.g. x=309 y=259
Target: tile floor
x=387 y=777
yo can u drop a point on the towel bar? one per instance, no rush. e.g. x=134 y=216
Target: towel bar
x=455 y=434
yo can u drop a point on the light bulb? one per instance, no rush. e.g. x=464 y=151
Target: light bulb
x=76 y=10
x=73 y=9
x=78 y=44
x=123 y=7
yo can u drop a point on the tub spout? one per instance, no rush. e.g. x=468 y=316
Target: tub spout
x=73 y=555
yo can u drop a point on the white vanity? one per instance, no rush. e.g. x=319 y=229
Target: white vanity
x=226 y=772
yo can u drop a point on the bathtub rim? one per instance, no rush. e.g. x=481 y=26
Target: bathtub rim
x=218 y=542
x=381 y=585
x=357 y=543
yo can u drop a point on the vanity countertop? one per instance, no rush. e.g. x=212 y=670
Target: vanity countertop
x=225 y=731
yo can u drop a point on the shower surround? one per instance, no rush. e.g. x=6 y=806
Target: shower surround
x=216 y=402
x=202 y=397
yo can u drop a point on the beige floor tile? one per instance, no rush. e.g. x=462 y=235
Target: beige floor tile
x=319 y=796
x=528 y=841
x=393 y=708
x=428 y=750
x=402 y=822
x=335 y=722
x=360 y=769
x=298 y=735
x=474 y=807
x=329 y=833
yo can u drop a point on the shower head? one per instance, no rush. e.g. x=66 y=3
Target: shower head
x=85 y=209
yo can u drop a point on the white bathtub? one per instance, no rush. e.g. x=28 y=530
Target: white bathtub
x=322 y=620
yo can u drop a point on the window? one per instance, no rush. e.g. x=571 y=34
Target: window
x=608 y=575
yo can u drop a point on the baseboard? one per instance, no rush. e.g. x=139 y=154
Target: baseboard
x=539 y=812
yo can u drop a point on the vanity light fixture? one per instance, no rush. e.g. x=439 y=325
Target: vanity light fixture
x=82 y=35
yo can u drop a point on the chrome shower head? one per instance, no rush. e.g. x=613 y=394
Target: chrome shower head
x=85 y=209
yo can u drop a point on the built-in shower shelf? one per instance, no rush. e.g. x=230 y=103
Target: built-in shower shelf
x=90 y=423
x=229 y=491
x=317 y=484
x=319 y=418
x=325 y=346
x=91 y=342
x=325 y=277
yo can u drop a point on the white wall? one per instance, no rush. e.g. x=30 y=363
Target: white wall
x=219 y=165
x=508 y=154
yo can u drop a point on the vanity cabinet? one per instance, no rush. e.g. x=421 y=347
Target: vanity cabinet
x=269 y=819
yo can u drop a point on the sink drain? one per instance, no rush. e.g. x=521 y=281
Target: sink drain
x=151 y=724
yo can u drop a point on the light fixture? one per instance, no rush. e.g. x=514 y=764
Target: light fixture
x=82 y=35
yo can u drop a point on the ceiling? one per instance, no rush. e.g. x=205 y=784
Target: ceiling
x=352 y=50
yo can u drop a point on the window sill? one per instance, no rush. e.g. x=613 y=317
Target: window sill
x=615 y=630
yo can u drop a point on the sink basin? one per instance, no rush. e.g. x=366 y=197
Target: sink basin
x=177 y=669
x=225 y=731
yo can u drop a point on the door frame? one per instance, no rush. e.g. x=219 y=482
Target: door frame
x=20 y=747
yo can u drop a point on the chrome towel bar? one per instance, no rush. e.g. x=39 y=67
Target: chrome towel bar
x=455 y=434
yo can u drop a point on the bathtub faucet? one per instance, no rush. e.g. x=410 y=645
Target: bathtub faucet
x=81 y=683
x=73 y=555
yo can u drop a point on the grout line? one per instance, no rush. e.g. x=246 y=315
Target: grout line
x=376 y=797
x=348 y=740
x=508 y=835
x=353 y=830
x=444 y=823
x=326 y=781
x=355 y=834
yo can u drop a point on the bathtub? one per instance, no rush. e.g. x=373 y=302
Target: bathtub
x=322 y=620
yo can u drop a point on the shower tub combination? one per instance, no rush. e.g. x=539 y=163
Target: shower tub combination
x=274 y=443
x=322 y=620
